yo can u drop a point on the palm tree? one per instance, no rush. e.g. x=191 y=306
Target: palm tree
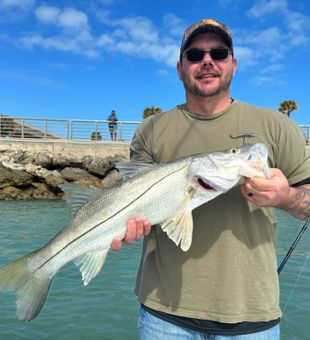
x=288 y=106
x=149 y=111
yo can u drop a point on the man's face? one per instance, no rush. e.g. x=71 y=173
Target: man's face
x=208 y=77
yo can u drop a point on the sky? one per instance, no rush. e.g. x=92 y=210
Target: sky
x=81 y=59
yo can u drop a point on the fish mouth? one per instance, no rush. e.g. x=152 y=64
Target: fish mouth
x=205 y=184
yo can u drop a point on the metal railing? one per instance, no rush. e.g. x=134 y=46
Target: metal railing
x=76 y=129
x=306 y=131
x=66 y=129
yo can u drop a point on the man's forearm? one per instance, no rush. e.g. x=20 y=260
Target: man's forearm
x=299 y=202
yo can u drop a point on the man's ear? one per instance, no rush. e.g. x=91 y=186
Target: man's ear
x=179 y=69
x=235 y=64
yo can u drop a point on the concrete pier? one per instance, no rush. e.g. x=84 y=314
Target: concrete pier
x=53 y=147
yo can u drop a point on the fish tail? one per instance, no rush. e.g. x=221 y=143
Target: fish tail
x=31 y=290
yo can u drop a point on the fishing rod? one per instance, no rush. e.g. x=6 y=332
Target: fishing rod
x=293 y=246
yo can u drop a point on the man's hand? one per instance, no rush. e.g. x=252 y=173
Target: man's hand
x=276 y=192
x=137 y=227
x=268 y=192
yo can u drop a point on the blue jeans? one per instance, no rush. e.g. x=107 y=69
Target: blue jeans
x=152 y=328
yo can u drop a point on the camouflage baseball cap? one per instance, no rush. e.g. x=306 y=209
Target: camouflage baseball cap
x=206 y=25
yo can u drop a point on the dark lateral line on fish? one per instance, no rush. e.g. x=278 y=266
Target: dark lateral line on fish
x=97 y=225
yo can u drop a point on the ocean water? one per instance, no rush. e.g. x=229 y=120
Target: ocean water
x=107 y=307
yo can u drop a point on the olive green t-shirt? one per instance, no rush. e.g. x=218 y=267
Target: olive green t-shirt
x=229 y=274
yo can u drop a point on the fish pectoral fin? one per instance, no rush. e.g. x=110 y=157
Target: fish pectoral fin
x=90 y=264
x=180 y=229
x=130 y=169
x=78 y=195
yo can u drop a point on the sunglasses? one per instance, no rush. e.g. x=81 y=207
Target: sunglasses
x=197 y=54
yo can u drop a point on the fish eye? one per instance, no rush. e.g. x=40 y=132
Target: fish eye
x=233 y=150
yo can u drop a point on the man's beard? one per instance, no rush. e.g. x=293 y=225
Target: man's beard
x=207 y=92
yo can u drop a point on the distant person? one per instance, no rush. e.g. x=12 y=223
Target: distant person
x=113 y=125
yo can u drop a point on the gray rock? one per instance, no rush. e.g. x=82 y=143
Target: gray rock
x=43 y=160
x=112 y=178
x=54 y=181
x=86 y=161
x=29 y=175
x=17 y=178
x=60 y=161
x=73 y=174
x=90 y=182
x=99 y=167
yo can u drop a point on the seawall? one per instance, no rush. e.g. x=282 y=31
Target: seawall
x=54 y=147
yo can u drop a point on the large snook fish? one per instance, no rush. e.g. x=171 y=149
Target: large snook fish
x=164 y=194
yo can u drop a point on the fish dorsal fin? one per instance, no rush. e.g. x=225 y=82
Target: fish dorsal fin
x=90 y=264
x=78 y=195
x=131 y=169
x=180 y=229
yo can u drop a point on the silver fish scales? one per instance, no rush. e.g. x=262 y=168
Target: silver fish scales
x=165 y=194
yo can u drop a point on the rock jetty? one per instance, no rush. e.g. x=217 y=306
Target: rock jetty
x=28 y=175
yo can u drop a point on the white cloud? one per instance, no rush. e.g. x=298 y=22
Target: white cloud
x=273 y=68
x=59 y=66
x=173 y=25
x=47 y=14
x=230 y=3
x=162 y=53
x=135 y=36
x=295 y=25
x=298 y=26
x=261 y=80
x=297 y=22
x=16 y=4
x=253 y=45
x=139 y=37
x=245 y=55
x=68 y=18
x=273 y=43
x=261 y=39
x=105 y=40
x=15 y=10
x=265 y=7
x=268 y=80
x=71 y=18
x=138 y=29
x=81 y=44
x=73 y=32
x=162 y=72
x=108 y=2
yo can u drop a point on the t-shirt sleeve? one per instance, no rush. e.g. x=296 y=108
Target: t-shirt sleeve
x=293 y=158
x=140 y=148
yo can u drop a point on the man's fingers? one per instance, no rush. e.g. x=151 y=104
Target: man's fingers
x=143 y=228
x=137 y=227
x=116 y=244
x=147 y=227
x=131 y=233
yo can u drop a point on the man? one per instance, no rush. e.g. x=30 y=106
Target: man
x=113 y=125
x=226 y=285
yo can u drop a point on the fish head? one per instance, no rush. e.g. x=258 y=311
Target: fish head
x=220 y=171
